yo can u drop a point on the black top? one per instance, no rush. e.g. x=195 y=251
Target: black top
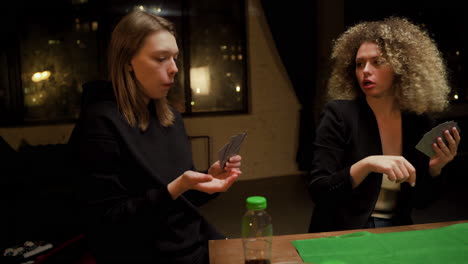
x=124 y=173
x=347 y=133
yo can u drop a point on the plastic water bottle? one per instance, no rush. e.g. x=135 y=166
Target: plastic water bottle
x=257 y=231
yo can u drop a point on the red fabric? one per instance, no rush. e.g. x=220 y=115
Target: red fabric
x=85 y=258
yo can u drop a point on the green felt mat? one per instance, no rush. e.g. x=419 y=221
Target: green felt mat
x=447 y=244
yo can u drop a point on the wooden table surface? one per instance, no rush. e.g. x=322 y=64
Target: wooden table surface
x=230 y=251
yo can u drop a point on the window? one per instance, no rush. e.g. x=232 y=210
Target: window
x=217 y=57
x=55 y=47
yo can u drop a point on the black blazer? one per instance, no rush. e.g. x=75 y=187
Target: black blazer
x=124 y=173
x=347 y=133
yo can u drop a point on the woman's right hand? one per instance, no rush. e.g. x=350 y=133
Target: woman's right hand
x=397 y=169
x=192 y=180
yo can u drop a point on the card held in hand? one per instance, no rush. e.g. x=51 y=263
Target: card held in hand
x=425 y=144
x=231 y=148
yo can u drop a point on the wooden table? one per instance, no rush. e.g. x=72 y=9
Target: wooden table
x=230 y=251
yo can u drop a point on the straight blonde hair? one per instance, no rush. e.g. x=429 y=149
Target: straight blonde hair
x=127 y=39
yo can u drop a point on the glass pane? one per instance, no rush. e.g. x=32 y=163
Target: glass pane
x=58 y=54
x=60 y=45
x=217 y=56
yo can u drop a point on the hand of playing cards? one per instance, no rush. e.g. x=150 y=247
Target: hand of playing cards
x=232 y=148
x=425 y=144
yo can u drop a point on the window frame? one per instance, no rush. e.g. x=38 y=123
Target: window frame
x=10 y=63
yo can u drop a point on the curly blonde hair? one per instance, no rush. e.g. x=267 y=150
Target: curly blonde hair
x=420 y=82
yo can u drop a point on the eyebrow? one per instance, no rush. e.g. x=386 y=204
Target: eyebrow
x=374 y=57
x=165 y=51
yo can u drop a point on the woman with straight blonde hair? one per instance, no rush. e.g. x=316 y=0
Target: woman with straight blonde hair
x=139 y=187
x=387 y=77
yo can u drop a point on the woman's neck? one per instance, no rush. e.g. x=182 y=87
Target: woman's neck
x=383 y=107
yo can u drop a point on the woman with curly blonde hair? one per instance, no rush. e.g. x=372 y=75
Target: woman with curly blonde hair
x=387 y=77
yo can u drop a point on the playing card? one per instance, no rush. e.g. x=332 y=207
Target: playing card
x=222 y=152
x=236 y=143
x=425 y=144
x=232 y=148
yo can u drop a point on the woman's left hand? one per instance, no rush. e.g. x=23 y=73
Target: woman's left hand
x=232 y=166
x=444 y=154
x=217 y=180
x=223 y=178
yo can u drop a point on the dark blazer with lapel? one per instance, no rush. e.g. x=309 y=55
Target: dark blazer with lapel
x=347 y=133
x=124 y=175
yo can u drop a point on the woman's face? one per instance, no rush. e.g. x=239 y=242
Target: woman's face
x=154 y=64
x=374 y=74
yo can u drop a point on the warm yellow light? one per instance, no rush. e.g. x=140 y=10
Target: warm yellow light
x=40 y=76
x=159 y=10
x=141 y=8
x=192 y=103
x=228 y=74
x=94 y=25
x=457 y=52
x=455 y=97
x=34 y=99
x=54 y=42
x=237 y=88
x=239 y=57
x=45 y=75
x=36 y=77
x=200 y=80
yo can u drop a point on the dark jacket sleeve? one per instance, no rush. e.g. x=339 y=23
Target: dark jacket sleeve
x=100 y=160
x=330 y=180
x=198 y=198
